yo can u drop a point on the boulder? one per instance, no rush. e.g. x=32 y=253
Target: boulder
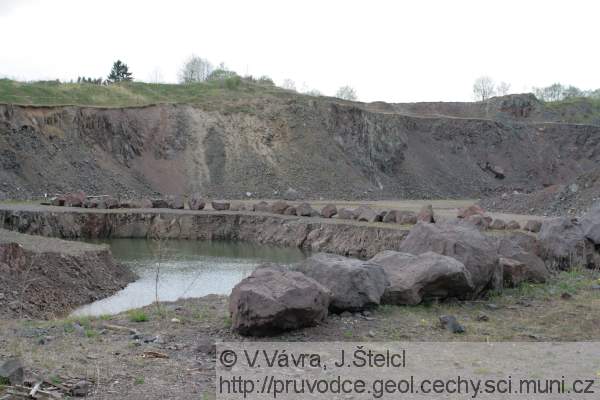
x=498 y=224
x=272 y=300
x=513 y=225
x=465 y=243
x=176 y=202
x=238 y=207
x=141 y=203
x=470 y=211
x=590 y=223
x=160 y=203
x=564 y=244
x=518 y=248
x=196 y=202
x=58 y=201
x=305 y=210
x=220 y=205
x=533 y=226
x=263 y=206
x=108 y=202
x=279 y=207
x=354 y=285
x=381 y=215
x=514 y=272
x=290 y=211
x=291 y=195
x=329 y=211
x=413 y=278
x=91 y=202
x=366 y=214
x=11 y=370
x=75 y=199
x=345 y=213
x=406 y=218
x=391 y=217
x=479 y=221
x=426 y=214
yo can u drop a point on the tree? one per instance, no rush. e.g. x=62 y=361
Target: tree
x=503 y=88
x=289 y=84
x=195 y=69
x=221 y=73
x=572 y=91
x=346 y=93
x=119 y=73
x=156 y=76
x=483 y=88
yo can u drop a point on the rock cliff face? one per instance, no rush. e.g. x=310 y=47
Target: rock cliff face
x=346 y=238
x=318 y=147
x=45 y=277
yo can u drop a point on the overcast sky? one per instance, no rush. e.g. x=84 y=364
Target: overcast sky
x=395 y=51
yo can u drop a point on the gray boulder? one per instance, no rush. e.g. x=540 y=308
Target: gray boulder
x=273 y=300
x=519 y=249
x=160 y=203
x=590 y=224
x=366 y=214
x=406 y=218
x=513 y=225
x=291 y=195
x=220 y=205
x=391 y=217
x=197 y=202
x=176 y=202
x=426 y=214
x=290 y=211
x=413 y=278
x=279 y=207
x=498 y=224
x=462 y=242
x=305 y=210
x=12 y=371
x=329 y=211
x=565 y=245
x=262 y=206
x=345 y=213
x=354 y=285
x=533 y=226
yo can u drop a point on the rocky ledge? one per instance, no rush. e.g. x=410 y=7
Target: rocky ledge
x=345 y=237
x=46 y=277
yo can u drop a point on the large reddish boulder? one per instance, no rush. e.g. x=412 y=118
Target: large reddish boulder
x=220 y=205
x=279 y=207
x=272 y=300
x=75 y=199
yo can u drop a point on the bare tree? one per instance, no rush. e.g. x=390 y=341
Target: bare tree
x=195 y=69
x=289 y=84
x=346 y=93
x=483 y=88
x=503 y=88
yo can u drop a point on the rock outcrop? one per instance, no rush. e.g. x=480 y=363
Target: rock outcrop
x=44 y=277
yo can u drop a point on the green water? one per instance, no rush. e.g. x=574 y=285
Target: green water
x=186 y=268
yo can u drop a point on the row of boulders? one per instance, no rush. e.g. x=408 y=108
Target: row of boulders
x=477 y=216
x=435 y=261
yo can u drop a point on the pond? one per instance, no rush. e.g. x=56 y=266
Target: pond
x=185 y=268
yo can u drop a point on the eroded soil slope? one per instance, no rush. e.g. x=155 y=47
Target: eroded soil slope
x=319 y=147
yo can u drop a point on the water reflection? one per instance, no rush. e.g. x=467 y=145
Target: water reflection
x=186 y=268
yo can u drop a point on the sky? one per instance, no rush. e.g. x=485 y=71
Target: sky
x=393 y=51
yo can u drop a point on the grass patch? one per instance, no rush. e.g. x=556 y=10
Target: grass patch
x=139 y=380
x=138 y=316
x=131 y=94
